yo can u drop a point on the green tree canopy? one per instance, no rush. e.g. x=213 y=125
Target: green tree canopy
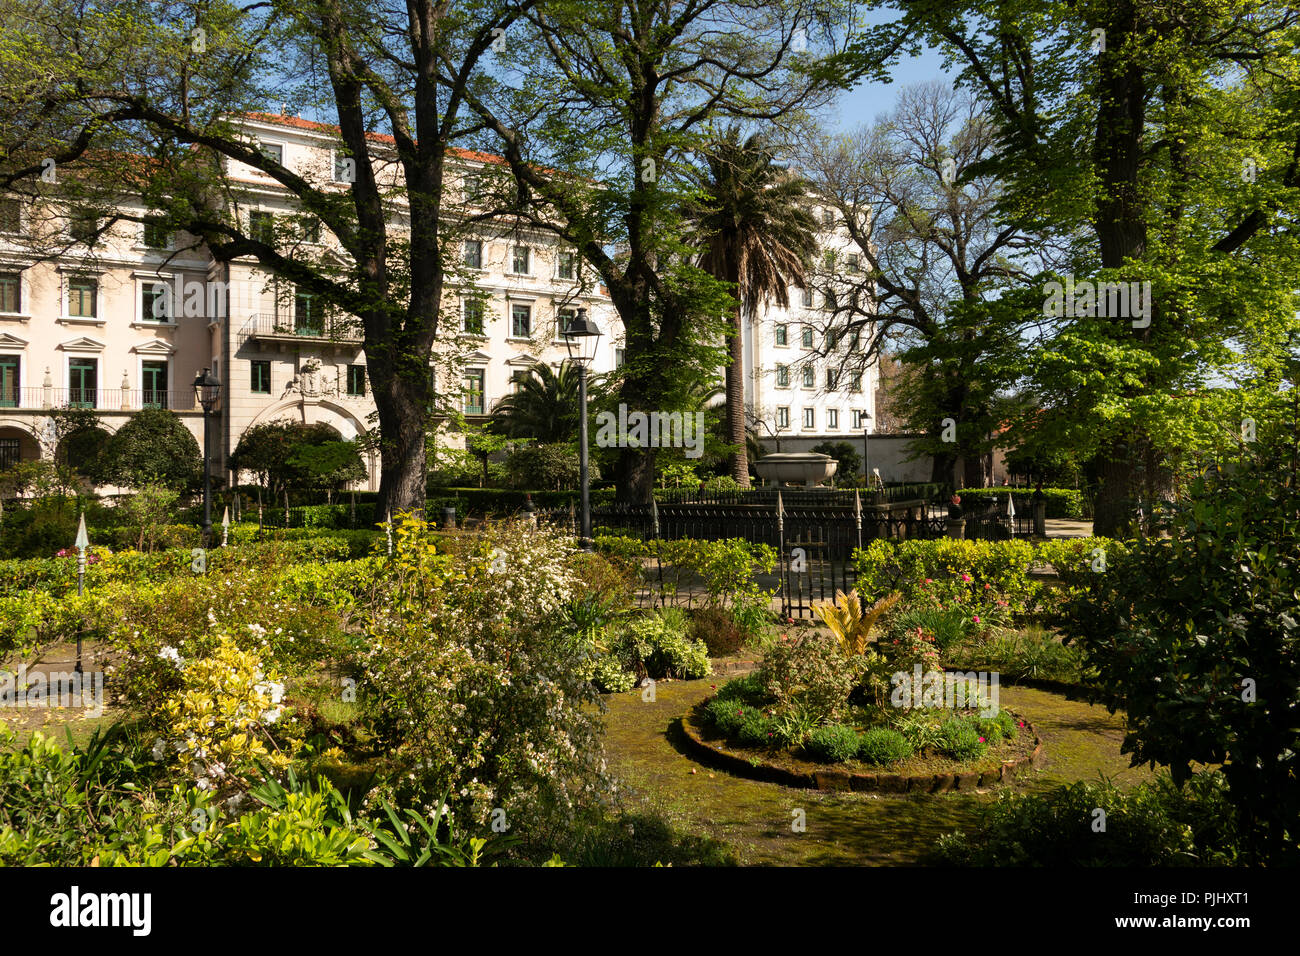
x=153 y=447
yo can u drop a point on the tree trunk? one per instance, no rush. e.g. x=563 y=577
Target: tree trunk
x=736 y=399
x=1114 y=505
x=401 y=457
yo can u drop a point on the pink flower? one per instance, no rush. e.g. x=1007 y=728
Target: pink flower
x=965 y=577
x=982 y=740
x=986 y=587
x=919 y=632
x=977 y=618
x=928 y=580
x=1022 y=723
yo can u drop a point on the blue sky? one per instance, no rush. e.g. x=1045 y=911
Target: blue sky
x=869 y=99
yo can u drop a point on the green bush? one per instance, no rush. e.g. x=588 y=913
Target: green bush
x=656 y=645
x=1153 y=825
x=882 y=745
x=727 y=714
x=833 y=743
x=1061 y=502
x=611 y=677
x=747 y=689
x=960 y=740
x=1196 y=636
x=757 y=730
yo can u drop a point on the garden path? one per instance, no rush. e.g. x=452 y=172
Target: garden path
x=842 y=829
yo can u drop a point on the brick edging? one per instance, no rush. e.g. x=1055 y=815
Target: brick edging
x=859 y=782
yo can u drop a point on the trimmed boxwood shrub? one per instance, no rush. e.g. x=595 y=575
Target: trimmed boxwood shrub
x=883 y=745
x=833 y=743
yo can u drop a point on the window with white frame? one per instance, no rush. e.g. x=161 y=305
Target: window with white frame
x=521 y=261
x=472 y=312
x=82 y=298
x=783 y=417
x=11 y=293
x=859 y=419
x=806 y=337
x=521 y=320
x=473 y=253
x=832 y=418
x=809 y=377
x=810 y=418
x=783 y=376
x=566 y=266
x=272 y=151
x=782 y=334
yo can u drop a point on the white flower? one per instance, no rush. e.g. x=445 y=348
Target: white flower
x=257 y=629
x=170 y=653
x=159 y=746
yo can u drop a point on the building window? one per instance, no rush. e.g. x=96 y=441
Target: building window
x=345 y=168
x=82 y=294
x=562 y=320
x=473 y=253
x=310 y=230
x=809 y=377
x=472 y=312
x=806 y=297
x=855 y=343
x=857 y=381
x=153 y=383
x=272 y=151
x=854 y=263
x=832 y=302
x=156 y=236
x=261 y=227
x=10 y=453
x=472 y=188
x=521 y=261
x=832 y=379
x=11 y=215
x=567 y=266
x=473 y=385
x=782 y=334
x=11 y=292
x=783 y=376
x=356 y=380
x=620 y=357
x=858 y=420
x=155 y=303
x=517 y=379
x=832 y=419
x=810 y=418
x=829 y=259
x=828 y=218
x=83 y=226
x=783 y=417
x=521 y=321
x=260 y=382
x=83 y=382
x=806 y=337
x=307 y=315
x=10 y=366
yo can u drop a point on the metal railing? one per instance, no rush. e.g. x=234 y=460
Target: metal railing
x=266 y=325
x=97 y=399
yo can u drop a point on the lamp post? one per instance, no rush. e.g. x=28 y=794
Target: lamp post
x=207 y=391
x=581 y=338
x=81 y=544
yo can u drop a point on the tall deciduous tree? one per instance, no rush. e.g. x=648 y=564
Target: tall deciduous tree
x=146 y=97
x=759 y=236
x=936 y=256
x=601 y=133
x=1163 y=141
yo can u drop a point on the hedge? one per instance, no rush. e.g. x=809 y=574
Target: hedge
x=885 y=566
x=1061 y=502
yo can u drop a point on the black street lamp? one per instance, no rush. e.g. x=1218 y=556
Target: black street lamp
x=581 y=338
x=207 y=391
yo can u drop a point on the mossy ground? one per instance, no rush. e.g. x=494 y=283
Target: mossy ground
x=842 y=829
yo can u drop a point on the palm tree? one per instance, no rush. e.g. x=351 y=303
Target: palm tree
x=758 y=234
x=545 y=407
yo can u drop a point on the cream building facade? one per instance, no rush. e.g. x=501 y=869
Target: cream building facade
x=126 y=321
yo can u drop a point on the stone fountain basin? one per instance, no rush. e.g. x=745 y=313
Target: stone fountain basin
x=806 y=467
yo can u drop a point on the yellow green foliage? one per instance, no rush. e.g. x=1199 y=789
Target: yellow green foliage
x=849 y=623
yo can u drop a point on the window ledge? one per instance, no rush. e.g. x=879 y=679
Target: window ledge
x=138 y=324
x=14 y=317
x=79 y=320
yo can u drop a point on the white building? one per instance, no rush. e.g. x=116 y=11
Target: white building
x=127 y=321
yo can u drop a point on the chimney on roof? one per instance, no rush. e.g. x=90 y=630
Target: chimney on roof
x=284 y=109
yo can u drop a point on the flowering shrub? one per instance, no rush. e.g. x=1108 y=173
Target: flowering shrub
x=807 y=670
x=472 y=683
x=218 y=722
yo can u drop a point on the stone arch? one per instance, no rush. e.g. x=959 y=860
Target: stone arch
x=28 y=439
x=321 y=412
